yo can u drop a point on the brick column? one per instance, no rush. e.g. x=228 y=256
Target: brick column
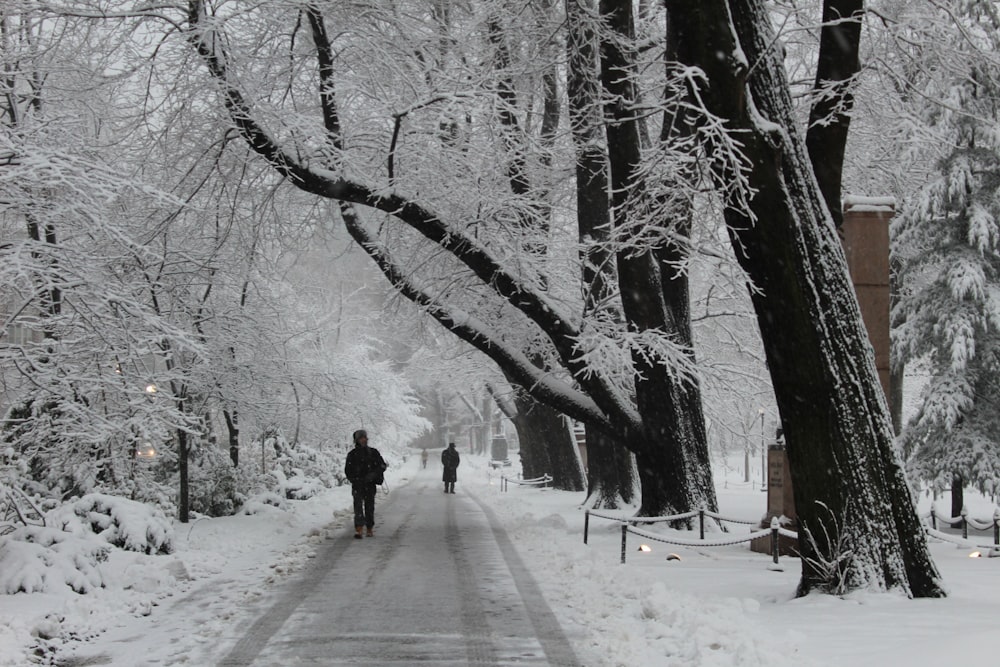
x=865 y=236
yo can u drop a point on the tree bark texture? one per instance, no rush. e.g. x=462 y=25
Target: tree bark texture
x=611 y=477
x=547 y=446
x=847 y=475
x=830 y=115
x=671 y=450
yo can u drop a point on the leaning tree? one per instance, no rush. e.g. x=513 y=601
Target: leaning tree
x=856 y=512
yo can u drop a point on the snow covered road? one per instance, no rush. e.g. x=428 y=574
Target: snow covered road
x=439 y=584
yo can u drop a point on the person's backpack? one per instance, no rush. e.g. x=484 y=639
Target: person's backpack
x=377 y=475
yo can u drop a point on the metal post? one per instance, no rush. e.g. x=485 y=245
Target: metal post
x=996 y=526
x=586 y=525
x=965 y=523
x=774 y=538
x=701 y=523
x=763 y=452
x=933 y=517
x=624 y=534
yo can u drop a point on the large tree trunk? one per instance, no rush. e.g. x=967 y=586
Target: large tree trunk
x=547 y=446
x=830 y=115
x=857 y=522
x=671 y=452
x=611 y=477
x=610 y=468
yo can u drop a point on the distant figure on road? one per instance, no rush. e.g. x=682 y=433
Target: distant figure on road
x=423 y=457
x=365 y=468
x=450 y=460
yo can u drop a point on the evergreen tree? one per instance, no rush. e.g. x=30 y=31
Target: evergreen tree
x=948 y=245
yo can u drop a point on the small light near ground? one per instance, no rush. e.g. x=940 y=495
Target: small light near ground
x=673 y=557
x=645 y=548
x=150 y=388
x=975 y=554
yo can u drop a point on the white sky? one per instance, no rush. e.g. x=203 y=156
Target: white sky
x=713 y=607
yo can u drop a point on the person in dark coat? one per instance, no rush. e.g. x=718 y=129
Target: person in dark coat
x=450 y=460
x=364 y=468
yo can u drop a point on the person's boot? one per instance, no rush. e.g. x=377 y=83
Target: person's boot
x=370 y=533
x=357 y=532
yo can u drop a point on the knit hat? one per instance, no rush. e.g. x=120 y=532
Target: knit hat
x=359 y=434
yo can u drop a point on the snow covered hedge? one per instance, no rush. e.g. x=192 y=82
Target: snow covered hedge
x=78 y=537
x=36 y=559
x=119 y=521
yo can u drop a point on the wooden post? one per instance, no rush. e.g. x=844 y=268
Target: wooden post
x=586 y=525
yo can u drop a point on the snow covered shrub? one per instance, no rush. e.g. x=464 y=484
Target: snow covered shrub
x=215 y=486
x=263 y=502
x=298 y=486
x=124 y=523
x=301 y=471
x=36 y=559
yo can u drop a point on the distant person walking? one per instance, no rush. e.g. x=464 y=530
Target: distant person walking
x=423 y=457
x=450 y=460
x=365 y=469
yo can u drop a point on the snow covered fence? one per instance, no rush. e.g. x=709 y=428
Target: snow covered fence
x=774 y=531
x=628 y=526
x=537 y=481
x=701 y=514
x=965 y=521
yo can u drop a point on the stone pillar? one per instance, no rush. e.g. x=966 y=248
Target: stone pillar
x=780 y=501
x=865 y=236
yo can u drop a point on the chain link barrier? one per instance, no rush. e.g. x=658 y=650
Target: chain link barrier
x=628 y=525
x=537 y=481
x=965 y=521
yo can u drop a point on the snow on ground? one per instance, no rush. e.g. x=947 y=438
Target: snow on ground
x=720 y=606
